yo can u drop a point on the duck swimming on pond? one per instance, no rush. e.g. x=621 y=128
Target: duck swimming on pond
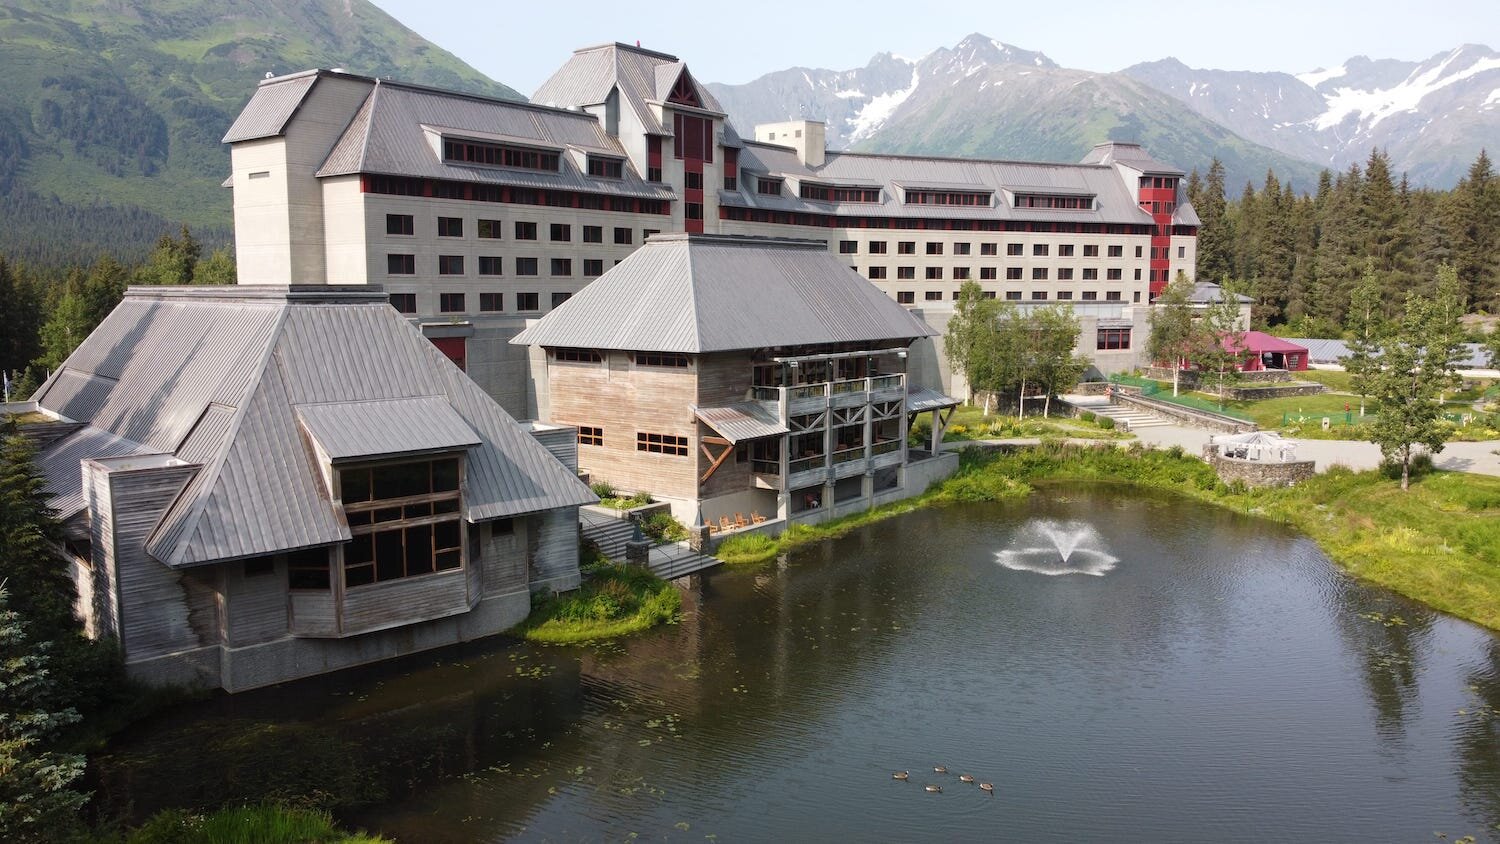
x=940 y=769
x=935 y=789
x=901 y=775
x=965 y=778
x=984 y=786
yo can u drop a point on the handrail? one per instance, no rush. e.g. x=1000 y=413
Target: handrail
x=766 y=467
x=886 y=447
x=849 y=454
x=854 y=385
x=807 y=464
x=885 y=382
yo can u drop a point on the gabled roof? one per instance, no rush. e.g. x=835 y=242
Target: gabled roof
x=713 y=293
x=641 y=76
x=1207 y=292
x=1258 y=341
x=271 y=107
x=1130 y=155
x=220 y=378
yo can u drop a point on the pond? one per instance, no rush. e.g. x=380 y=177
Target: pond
x=1186 y=673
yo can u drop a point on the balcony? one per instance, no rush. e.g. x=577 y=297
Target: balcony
x=813 y=398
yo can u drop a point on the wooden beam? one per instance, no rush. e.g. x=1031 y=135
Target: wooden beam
x=717 y=461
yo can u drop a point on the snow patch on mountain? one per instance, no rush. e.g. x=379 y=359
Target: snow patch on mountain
x=879 y=109
x=1492 y=99
x=1371 y=107
x=1313 y=79
x=849 y=95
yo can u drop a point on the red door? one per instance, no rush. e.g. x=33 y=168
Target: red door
x=454 y=348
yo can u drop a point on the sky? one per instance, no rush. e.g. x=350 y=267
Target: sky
x=734 y=42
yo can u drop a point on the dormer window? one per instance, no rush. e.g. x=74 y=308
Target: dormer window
x=499 y=155
x=947 y=197
x=768 y=187
x=404 y=518
x=1055 y=202
x=830 y=193
x=606 y=168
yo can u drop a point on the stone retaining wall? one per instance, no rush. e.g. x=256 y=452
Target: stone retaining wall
x=1257 y=472
x=1273 y=391
x=1189 y=377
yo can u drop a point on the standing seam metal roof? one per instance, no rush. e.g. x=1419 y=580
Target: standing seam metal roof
x=271 y=107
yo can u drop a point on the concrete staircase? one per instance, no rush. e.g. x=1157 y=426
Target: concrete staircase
x=1130 y=418
x=668 y=560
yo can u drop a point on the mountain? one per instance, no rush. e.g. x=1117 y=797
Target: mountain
x=990 y=99
x=112 y=109
x=1431 y=117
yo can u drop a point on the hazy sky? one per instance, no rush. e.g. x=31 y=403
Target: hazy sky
x=520 y=44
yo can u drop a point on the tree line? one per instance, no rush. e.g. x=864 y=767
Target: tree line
x=46 y=314
x=1300 y=255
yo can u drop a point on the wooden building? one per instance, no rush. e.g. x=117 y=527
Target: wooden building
x=263 y=483
x=739 y=377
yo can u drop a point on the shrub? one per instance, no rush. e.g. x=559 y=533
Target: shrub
x=603 y=489
x=1087 y=416
x=1421 y=464
x=663 y=527
x=1106 y=423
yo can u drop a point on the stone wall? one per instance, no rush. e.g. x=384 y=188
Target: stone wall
x=1257 y=472
x=1189 y=377
x=1274 y=391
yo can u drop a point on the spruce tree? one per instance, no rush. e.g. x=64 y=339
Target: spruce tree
x=1215 y=232
x=1367 y=328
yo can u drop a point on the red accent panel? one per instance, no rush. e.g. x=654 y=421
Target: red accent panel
x=455 y=348
x=653 y=151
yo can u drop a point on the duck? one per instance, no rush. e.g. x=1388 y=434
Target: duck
x=940 y=769
x=984 y=786
x=935 y=789
x=901 y=775
x=965 y=778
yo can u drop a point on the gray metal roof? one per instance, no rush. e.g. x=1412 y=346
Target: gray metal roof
x=1207 y=292
x=641 y=77
x=1130 y=155
x=271 y=107
x=920 y=398
x=397 y=130
x=219 y=376
x=362 y=429
x=1472 y=355
x=713 y=293
x=64 y=477
x=746 y=420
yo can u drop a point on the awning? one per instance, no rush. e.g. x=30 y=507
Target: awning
x=746 y=420
x=922 y=399
x=347 y=430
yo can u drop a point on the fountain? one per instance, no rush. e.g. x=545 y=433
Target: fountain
x=1053 y=547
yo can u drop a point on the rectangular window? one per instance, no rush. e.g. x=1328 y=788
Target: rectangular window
x=960 y=273
x=593 y=267
x=1137 y=273
x=308 y=570
x=1064 y=273
x=590 y=436
x=768 y=187
x=989 y=249
x=1038 y=273
x=404 y=518
x=668 y=359
x=848 y=247
x=1039 y=295
x=692 y=181
x=401 y=264
x=1111 y=295
x=692 y=210
x=499 y=155
x=906 y=272
x=1012 y=273
x=400 y=224
x=606 y=168
x=451 y=303
x=653 y=174
x=906 y=247
x=1182 y=251
x=1039 y=250
x=1065 y=295
x=1138 y=252
x=525 y=266
x=906 y=297
x=525 y=231
x=934 y=273
x=1113 y=339
x=624 y=236
x=450 y=265
x=1091 y=251
x=450 y=227
x=491 y=302
x=986 y=273
x=877 y=247
x=961 y=248
x=562 y=267
x=489 y=265
x=559 y=297
x=1116 y=251
x=404 y=303
x=932 y=197
x=593 y=234
x=1013 y=249
x=934 y=248
x=1065 y=250
x=1090 y=273
x=488 y=229
x=578 y=355
x=1113 y=275
x=1089 y=296
x=876 y=273
x=561 y=233
x=933 y=296
x=528 y=301
x=1013 y=295
x=661 y=444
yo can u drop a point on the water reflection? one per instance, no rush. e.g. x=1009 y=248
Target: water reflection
x=1217 y=677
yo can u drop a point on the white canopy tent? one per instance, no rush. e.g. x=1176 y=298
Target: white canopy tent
x=1263 y=446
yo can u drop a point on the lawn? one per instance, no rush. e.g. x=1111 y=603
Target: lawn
x=614 y=600
x=970 y=423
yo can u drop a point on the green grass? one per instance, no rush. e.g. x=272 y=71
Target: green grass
x=747 y=549
x=969 y=423
x=1334 y=379
x=1267 y=413
x=614 y=600
x=246 y=825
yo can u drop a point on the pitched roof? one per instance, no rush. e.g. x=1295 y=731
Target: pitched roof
x=1130 y=155
x=745 y=420
x=713 y=293
x=1259 y=341
x=1207 y=292
x=221 y=377
x=271 y=107
x=641 y=76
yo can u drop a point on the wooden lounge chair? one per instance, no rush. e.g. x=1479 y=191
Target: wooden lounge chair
x=724 y=523
x=739 y=520
x=756 y=517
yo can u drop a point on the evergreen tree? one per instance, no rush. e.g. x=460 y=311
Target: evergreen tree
x=37 y=803
x=1172 y=333
x=1474 y=219
x=217 y=268
x=1215 y=232
x=43 y=591
x=1338 y=262
x=20 y=316
x=66 y=327
x=173 y=262
x=1275 y=264
x=1194 y=187
x=102 y=289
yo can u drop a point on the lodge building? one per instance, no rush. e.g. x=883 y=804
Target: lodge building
x=479 y=215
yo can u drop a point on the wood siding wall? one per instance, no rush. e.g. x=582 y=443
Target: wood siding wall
x=255 y=607
x=554 y=556
x=562 y=443
x=723 y=379
x=504 y=557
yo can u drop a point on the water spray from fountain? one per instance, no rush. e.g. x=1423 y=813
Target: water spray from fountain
x=1053 y=547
